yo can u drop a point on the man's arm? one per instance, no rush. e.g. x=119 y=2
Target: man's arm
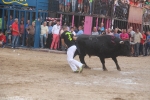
x=74 y=38
x=63 y=43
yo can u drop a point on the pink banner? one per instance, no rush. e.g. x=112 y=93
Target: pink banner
x=88 y=25
x=73 y=21
x=97 y=22
x=61 y=20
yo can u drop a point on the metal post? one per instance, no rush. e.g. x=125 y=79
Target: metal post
x=37 y=33
x=14 y=16
x=30 y=17
x=3 y=20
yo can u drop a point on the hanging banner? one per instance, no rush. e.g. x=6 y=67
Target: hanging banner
x=135 y=15
x=88 y=25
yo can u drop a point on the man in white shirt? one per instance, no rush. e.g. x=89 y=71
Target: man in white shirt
x=109 y=32
x=44 y=34
x=137 y=40
x=55 y=32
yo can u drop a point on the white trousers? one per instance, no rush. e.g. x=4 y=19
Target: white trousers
x=74 y=64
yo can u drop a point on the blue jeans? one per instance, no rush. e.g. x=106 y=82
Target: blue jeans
x=43 y=36
x=74 y=5
x=136 y=49
x=90 y=7
x=15 y=41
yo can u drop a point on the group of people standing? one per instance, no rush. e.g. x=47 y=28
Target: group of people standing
x=84 y=6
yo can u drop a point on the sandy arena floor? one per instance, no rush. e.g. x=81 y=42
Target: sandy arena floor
x=32 y=75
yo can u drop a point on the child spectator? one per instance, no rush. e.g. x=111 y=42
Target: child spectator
x=67 y=5
x=86 y=6
x=8 y=35
x=2 y=39
x=72 y=31
x=73 y=5
x=142 y=44
x=61 y=5
x=80 y=5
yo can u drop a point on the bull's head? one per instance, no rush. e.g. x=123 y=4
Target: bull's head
x=125 y=48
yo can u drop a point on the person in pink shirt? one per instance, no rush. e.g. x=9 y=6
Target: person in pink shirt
x=124 y=35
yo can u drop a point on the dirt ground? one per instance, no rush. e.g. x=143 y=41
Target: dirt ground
x=33 y=75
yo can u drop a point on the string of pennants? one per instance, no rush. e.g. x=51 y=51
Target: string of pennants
x=48 y=19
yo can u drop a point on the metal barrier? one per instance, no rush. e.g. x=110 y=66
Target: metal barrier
x=33 y=10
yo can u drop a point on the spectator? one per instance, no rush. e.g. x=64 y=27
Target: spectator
x=74 y=5
x=21 y=32
x=91 y=2
x=67 y=5
x=2 y=39
x=95 y=32
x=50 y=35
x=72 y=31
x=10 y=21
x=124 y=35
x=15 y=33
x=9 y=35
x=80 y=5
x=61 y=5
x=142 y=44
x=147 y=45
x=131 y=39
x=109 y=32
x=101 y=28
x=44 y=34
x=137 y=39
x=116 y=33
x=31 y=31
x=55 y=32
x=86 y=6
x=75 y=29
x=80 y=32
x=61 y=46
x=27 y=25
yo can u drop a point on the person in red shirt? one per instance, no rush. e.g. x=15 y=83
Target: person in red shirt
x=142 y=43
x=2 y=39
x=15 y=33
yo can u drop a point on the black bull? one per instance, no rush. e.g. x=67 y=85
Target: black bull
x=102 y=46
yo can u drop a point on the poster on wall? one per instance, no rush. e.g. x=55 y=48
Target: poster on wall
x=0 y=23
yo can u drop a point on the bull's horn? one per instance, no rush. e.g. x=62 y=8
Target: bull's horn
x=121 y=42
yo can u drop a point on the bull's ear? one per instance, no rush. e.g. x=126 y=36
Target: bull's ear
x=121 y=42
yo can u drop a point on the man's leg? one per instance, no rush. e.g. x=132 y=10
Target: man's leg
x=56 y=42
x=29 y=40
x=41 y=39
x=138 y=45
x=13 y=40
x=44 y=39
x=53 y=42
x=16 y=41
x=73 y=63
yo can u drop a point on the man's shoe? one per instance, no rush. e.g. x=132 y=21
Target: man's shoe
x=76 y=71
x=81 y=68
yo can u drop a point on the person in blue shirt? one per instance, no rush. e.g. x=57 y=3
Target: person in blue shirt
x=80 y=32
x=10 y=22
x=26 y=33
x=50 y=35
x=101 y=28
x=147 y=45
x=116 y=33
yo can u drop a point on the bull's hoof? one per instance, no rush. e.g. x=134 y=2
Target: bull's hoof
x=118 y=69
x=105 y=70
x=87 y=67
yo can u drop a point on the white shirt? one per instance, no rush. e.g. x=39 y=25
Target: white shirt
x=110 y=34
x=44 y=29
x=74 y=33
x=56 y=29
